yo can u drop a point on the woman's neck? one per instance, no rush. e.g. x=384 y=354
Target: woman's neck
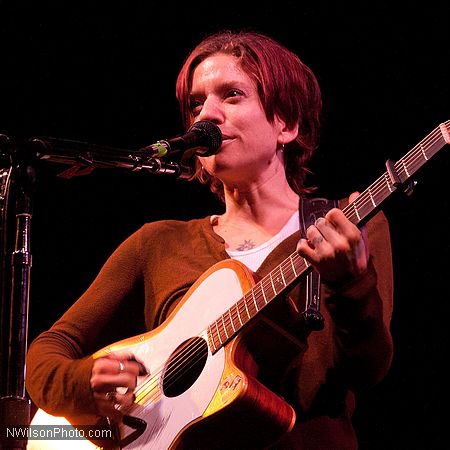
x=267 y=204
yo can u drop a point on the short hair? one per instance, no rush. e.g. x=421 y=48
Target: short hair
x=287 y=88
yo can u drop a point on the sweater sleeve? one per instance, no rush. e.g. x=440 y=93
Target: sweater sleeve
x=361 y=312
x=59 y=364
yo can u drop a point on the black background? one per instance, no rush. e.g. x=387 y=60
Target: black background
x=105 y=73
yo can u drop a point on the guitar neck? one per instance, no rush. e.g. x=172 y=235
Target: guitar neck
x=370 y=200
x=358 y=212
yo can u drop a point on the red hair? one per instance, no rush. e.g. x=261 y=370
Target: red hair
x=287 y=88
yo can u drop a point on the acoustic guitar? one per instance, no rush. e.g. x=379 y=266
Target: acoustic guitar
x=202 y=381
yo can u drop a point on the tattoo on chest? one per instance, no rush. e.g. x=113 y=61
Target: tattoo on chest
x=247 y=245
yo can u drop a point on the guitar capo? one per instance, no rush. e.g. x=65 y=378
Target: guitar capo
x=395 y=178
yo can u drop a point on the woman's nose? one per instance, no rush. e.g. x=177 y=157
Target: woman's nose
x=211 y=111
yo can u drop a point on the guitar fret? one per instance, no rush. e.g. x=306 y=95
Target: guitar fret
x=267 y=284
x=264 y=296
x=246 y=309
x=271 y=282
x=387 y=179
x=212 y=346
x=229 y=323
x=223 y=330
x=218 y=333
x=215 y=338
x=251 y=305
x=351 y=214
x=211 y=334
x=211 y=339
x=224 y=327
x=380 y=191
x=231 y=320
x=423 y=152
x=238 y=313
x=406 y=169
x=356 y=210
x=371 y=197
x=288 y=272
x=279 y=279
x=255 y=303
x=293 y=267
x=365 y=206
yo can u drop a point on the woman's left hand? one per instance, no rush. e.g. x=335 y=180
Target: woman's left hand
x=336 y=248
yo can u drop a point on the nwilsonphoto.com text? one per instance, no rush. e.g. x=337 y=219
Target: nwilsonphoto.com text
x=57 y=432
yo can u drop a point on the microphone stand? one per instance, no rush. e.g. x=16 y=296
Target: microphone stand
x=14 y=405
x=83 y=158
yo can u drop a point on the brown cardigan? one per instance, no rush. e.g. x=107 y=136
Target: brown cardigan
x=149 y=273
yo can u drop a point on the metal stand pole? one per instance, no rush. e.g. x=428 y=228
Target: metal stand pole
x=15 y=406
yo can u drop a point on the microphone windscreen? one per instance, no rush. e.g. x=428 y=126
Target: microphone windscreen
x=211 y=137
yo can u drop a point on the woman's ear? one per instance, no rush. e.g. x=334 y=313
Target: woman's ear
x=286 y=134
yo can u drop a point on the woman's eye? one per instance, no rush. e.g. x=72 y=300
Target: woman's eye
x=195 y=105
x=234 y=93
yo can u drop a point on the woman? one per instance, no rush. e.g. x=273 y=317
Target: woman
x=267 y=104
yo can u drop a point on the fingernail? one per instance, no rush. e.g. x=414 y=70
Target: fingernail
x=320 y=219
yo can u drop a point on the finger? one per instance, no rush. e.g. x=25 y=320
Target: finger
x=313 y=237
x=318 y=236
x=337 y=217
x=120 y=402
x=107 y=406
x=325 y=228
x=113 y=405
x=336 y=239
x=306 y=250
x=126 y=401
x=107 y=374
x=125 y=365
x=343 y=228
x=353 y=196
x=130 y=361
x=107 y=382
x=108 y=365
x=365 y=238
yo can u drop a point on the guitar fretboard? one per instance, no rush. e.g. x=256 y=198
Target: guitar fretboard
x=295 y=266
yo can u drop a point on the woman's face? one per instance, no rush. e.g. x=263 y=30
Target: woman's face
x=225 y=95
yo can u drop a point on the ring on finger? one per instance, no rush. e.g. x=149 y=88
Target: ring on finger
x=111 y=396
x=121 y=366
x=117 y=406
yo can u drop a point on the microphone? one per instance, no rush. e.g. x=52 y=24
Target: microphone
x=204 y=136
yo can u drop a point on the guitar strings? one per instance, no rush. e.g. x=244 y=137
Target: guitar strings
x=174 y=374
x=415 y=158
x=148 y=393
x=374 y=190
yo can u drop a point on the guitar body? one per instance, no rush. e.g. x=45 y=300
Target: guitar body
x=192 y=392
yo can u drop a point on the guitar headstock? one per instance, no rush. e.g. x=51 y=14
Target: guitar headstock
x=445 y=130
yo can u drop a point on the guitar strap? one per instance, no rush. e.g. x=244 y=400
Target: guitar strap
x=310 y=209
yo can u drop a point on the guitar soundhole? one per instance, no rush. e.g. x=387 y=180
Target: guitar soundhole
x=184 y=366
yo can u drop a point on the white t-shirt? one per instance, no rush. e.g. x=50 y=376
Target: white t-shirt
x=254 y=257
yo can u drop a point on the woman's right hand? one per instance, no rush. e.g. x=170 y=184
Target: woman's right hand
x=113 y=380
